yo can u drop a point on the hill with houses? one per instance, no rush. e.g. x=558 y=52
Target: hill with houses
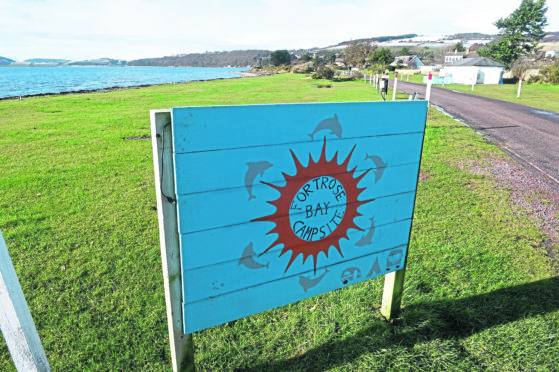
x=247 y=58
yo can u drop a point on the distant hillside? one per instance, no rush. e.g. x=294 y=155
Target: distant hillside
x=470 y=36
x=5 y=61
x=46 y=60
x=379 y=39
x=551 y=37
x=236 y=58
x=98 y=62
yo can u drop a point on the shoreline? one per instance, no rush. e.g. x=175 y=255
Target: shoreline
x=242 y=74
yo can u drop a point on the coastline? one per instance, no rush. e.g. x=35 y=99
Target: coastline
x=242 y=74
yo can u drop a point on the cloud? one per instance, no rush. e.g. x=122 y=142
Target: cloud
x=79 y=29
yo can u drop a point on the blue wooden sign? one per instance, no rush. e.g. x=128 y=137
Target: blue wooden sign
x=277 y=203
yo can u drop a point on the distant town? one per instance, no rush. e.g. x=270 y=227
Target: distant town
x=249 y=58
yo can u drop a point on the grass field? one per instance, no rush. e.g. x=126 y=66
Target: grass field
x=78 y=214
x=543 y=96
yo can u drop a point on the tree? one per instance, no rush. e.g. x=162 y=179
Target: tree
x=305 y=58
x=382 y=56
x=519 y=33
x=405 y=51
x=459 y=47
x=280 y=57
x=330 y=57
x=357 y=54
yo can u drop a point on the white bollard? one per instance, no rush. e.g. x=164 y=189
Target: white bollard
x=371 y=78
x=519 y=86
x=429 y=84
x=408 y=76
x=395 y=86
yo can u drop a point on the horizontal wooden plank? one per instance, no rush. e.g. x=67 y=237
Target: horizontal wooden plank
x=211 y=311
x=222 y=208
x=245 y=167
x=267 y=215
x=226 y=127
x=229 y=243
x=245 y=272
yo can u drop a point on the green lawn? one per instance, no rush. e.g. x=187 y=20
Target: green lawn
x=78 y=214
x=540 y=96
x=543 y=96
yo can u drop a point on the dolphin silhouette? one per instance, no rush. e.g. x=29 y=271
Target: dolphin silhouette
x=379 y=164
x=332 y=124
x=367 y=238
x=255 y=169
x=307 y=283
x=247 y=259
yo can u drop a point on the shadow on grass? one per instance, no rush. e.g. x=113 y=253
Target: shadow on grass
x=428 y=321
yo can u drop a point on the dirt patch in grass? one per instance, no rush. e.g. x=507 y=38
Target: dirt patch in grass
x=535 y=198
x=424 y=176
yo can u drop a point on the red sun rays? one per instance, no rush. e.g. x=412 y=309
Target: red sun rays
x=303 y=175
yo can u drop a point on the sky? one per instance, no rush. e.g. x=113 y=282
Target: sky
x=126 y=29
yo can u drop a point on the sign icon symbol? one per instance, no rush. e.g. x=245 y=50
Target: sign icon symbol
x=351 y=274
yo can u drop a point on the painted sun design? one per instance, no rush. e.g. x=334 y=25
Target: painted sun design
x=316 y=208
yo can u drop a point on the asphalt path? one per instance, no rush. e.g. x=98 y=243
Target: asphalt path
x=528 y=134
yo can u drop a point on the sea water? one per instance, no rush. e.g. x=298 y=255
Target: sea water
x=23 y=81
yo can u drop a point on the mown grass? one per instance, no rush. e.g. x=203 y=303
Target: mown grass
x=78 y=213
x=543 y=96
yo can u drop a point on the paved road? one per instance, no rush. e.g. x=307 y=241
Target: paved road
x=528 y=134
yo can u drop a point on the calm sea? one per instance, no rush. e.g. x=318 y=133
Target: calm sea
x=22 y=81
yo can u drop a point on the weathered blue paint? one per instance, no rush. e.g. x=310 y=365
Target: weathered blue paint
x=258 y=191
x=200 y=281
x=227 y=307
x=439 y=80
x=386 y=210
x=392 y=149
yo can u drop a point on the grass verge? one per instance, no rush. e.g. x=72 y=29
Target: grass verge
x=78 y=214
x=543 y=96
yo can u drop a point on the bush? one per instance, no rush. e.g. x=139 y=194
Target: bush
x=305 y=68
x=550 y=74
x=323 y=72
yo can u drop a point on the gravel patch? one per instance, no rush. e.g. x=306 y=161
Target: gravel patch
x=535 y=198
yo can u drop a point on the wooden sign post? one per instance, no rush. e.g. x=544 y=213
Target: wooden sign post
x=261 y=206
x=16 y=322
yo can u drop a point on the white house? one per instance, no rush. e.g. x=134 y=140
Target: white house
x=412 y=62
x=475 y=70
x=453 y=58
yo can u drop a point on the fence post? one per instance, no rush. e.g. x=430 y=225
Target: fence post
x=395 y=86
x=429 y=84
x=16 y=322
